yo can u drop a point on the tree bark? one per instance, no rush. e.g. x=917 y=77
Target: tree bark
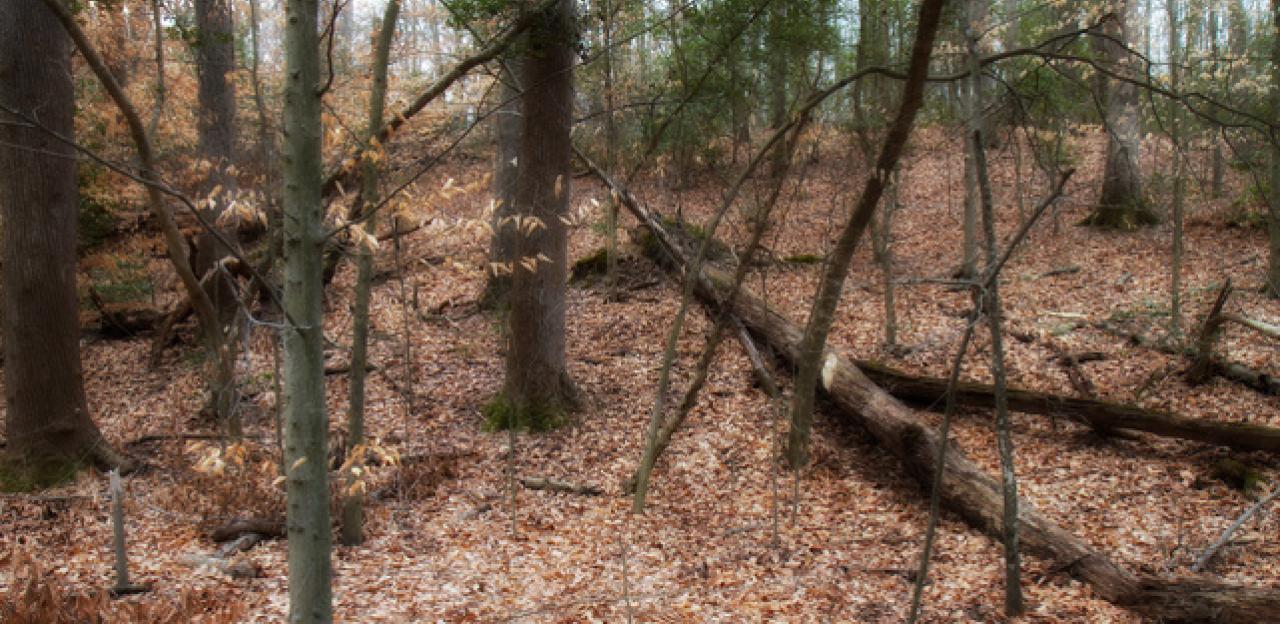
x=352 y=506
x=537 y=383
x=47 y=422
x=306 y=422
x=1273 y=203
x=508 y=126
x=1121 y=205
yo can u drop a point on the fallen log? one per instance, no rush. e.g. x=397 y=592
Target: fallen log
x=930 y=391
x=966 y=488
x=267 y=527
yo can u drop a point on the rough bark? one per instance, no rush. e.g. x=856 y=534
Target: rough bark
x=508 y=126
x=537 y=382
x=306 y=422
x=47 y=421
x=1121 y=204
x=215 y=61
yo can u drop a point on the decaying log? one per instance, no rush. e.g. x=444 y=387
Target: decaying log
x=123 y=320
x=930 y=391
x=553 y=485
x=1202 y=366
x=970 y=491
x=267 y=527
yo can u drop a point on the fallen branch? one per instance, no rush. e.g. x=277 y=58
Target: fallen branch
x=1226 y=535
x=975 y=495
x=930 y=391
x=267 y=527
x=552 y=485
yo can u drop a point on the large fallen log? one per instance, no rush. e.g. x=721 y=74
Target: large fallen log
x=930 y=391
x=967 y=489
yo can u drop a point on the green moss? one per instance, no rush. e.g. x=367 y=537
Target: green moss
x=22 y=476
x=595 y=263
x=1238 y=475
x=804 y=258
x=500 y=413
x=95 y=223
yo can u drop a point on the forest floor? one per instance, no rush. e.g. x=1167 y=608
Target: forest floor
x=440 y=541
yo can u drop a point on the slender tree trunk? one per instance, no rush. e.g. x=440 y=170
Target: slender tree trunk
x=306 y=422
x=352 y=513
x=828 y=296
x=1273 y=223
x=157 y=107
x=611 y=148
x=1176 y=58
x=882 y=238
x=1121 y=205
x=537 y=385
x=779 y=50
x=990 y=301
x=47 y=422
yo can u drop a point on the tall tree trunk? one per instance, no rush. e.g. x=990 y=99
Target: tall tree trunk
x=537 y=385
x=47 y=422
x=509 y=127
x=779 y=49
x=352 y=514
x=215 y=62
x=306 y=422
x=1176 y=59
x=828 y=296
x=157 y=106
x=1121 y=205
x=1273 y=223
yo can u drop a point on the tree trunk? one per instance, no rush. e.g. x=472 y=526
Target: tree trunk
x=1273 y=203
x=537 y=385
x=47 y=422
x=778 y=52
x=157 y=106
x=215 y=60
x=828 y=296
x=306 y=423
x=1121 y=205
x=508 y=126
x=352 y=512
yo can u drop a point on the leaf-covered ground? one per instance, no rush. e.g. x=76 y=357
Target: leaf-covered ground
x=441 y=544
